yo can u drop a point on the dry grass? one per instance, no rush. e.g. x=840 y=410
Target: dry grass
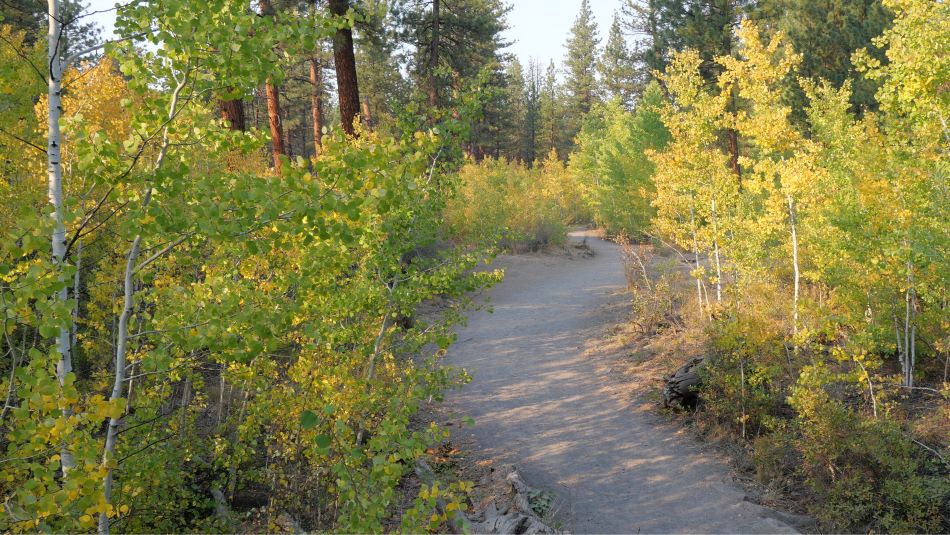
x=659 y=329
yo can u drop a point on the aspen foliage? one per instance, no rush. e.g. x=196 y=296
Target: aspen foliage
x=506 y=203
x=611 y=165
x=233 y=332
x=827 y=247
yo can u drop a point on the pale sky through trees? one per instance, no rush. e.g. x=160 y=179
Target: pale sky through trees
x=538 y=28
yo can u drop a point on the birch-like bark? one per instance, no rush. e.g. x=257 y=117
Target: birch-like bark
x=55 y=182
x=910 y=329
x=128 y=302
x=715 y=224
x=792 y=222
x=699 y=284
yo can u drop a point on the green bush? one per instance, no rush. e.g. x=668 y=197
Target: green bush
x=508 y=204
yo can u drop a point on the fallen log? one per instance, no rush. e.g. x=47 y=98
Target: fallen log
x=520 y=519
x=510 y=522
x=681 y=387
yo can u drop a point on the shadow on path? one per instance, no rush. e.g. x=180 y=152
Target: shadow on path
x=540 y=404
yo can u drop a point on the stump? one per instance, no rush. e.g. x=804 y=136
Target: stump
x=519 y=519
x=515 y=518
x=680 y=391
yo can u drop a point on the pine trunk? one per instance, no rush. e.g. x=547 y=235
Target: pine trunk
x=734 y=153
x=273 y=118
x=273 y=104
x=345 y=62
x=232 y=111
x=316 y=104
x=367 y=113
x=434 y=56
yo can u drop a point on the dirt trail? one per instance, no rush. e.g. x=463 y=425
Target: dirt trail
x=565 y=420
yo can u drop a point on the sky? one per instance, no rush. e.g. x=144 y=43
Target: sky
x=537 y=28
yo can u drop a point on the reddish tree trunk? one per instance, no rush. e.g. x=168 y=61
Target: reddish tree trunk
x=434 y=56
x=232 y=111
x=276 y=129
x=345 y=62
x=733 y=139
x=734 y=152
x=367 y=113
x=316 y=104
x=273 y=104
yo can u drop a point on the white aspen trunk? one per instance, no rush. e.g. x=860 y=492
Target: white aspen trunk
x=715 y=224
x=122 y=337
x=900 y=348
x=910 y=328
x=905 y=356
x=221 y=387
x=55 y=182
x=792 y=221
x=120 y=357
x=708 y=305
x=699 y=284
x=742 y=392
x=913 y=354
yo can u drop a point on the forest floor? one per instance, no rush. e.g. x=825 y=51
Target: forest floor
x=553 y=393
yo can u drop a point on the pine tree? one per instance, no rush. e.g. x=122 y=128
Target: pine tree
x=79 y=31
x=673 y=25
x=382 y=86
x=581 y=65
x=451 y=40
x=345 y=61
x=648 y=21
x=618 y=69
x=532 y=119
x=827 y=33
x=515 y=103
x=551 y=131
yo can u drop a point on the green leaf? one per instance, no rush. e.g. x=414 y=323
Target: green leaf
x=308 y=419
x=49 y=331
x=322 y=441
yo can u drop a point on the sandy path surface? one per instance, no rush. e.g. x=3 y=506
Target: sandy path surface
x=565 y=420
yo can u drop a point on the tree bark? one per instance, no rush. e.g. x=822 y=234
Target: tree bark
x=316 y=104
x=367 y=113
x=434 y=56
x=345 y=63
x=273 y=105
x=273 y=118
x=55 y=183
x=733 y=137
x=232 y=111
x=797 y=272
x=715 y=224
x=128 y=300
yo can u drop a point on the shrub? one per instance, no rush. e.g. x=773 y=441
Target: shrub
x=508 y=204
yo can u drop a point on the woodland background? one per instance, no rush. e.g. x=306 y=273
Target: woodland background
x=219 y=228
